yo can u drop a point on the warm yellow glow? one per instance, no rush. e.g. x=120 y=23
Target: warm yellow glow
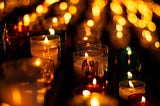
x=119 y=35
x=143 y=99
x=94 y=82
x=1 y=5
x=42 y=90
x=145 y=33
x=131 y=6
x=142 y=23
x=54 y=19
x=33 y=17
x=131 y=84
x=49 y=2
x=67 y=17
x=86 y=93
x=157 y=44
x=85 y=38
x=26 y=19
x=129 y=75
x=72 y=9
x=132 y=18
x=90 y=23
x=45 y=10
x=86 y=55
x=155 y=9
x=88 y=31
x=116 y=8
x=148 y=37
x=121 y=21
x=16 y=95
x=51 y=31
x=144 y=10
x=63 y=5
x=116 y=18
x=61 y=20
x=46 y=41
x=20 y=23
x=151 y=26
x=39 y=9
x=74 y=1
x=4 y=104
x=37 y=62
x=100 y=3
x=96 y=11
x=40 y=98
x=119 y=27
x=94 y=101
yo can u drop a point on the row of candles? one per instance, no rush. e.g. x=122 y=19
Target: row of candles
x=87 y=63
x=131 y=90
x=44 y=61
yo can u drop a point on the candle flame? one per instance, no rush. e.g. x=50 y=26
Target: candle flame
x=46 y=40
x=16 y=95
x=94 y=102
x=131 y=84
x=51 y=31
x=94 y=81
x=37 y=62
x=143 y=99
x=86 y=93
x=86 y=55
x=129 y=74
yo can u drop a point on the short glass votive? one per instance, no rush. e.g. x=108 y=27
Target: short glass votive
x=88 y=66
x=125 y=89
x=139 y=99
x=46 y=46
x=26 y=80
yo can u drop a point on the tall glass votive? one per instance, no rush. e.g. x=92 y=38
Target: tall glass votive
x=46 y=46
x=88 y=63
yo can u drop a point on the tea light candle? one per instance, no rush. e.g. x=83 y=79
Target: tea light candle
x=45 y=46
x=128 y=87
x=138 y=100
x=94 y=87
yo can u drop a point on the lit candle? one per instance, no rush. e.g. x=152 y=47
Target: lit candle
x=46 y=46
x=88 y=63
x=128 y=87
x=138 y=100
x=94 y=87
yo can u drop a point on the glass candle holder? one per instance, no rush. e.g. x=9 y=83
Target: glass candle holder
x=88 y=63
x=125 y=89
x=46 y=46
x=26 y=80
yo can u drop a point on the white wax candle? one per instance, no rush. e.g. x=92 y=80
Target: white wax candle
x=125 y=90
x=50 y=48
